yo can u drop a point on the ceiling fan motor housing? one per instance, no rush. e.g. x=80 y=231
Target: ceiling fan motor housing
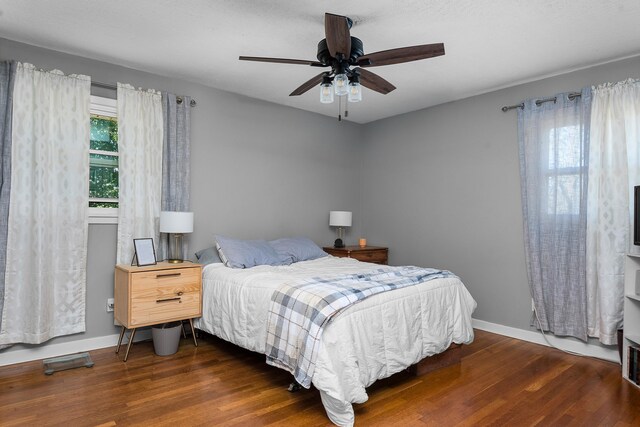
x=325 y=57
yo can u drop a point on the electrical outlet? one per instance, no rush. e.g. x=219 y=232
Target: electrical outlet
x=109 y=304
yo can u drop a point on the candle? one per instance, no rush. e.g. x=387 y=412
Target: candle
x=363 y=242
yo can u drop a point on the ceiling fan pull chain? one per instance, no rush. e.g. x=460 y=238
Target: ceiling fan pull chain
x=346 y=109
x=339 y=108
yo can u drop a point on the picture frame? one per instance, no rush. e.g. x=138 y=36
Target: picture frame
x=144 y=252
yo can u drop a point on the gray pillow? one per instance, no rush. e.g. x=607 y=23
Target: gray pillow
x=297 y=249
x=208 y=256
x=236 y=253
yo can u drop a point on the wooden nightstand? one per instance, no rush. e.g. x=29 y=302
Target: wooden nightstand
x=160 y=293
x=375 y=254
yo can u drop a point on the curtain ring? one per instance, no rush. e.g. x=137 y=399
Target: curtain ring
x=539 y=102
x=178 y=100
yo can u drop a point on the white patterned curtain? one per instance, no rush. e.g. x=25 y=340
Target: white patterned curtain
x=46 y=258
x=613 y=171
x=140 y=167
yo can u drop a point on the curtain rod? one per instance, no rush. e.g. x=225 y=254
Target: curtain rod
x=571 y=96
x=114 y=87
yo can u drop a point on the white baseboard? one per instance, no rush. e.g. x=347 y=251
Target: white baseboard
x=610 y=354
x=60 y=349
x=53 y=350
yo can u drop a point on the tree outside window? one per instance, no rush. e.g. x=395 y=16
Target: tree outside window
x=103 y=162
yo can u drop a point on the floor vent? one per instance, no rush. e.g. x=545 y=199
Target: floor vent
x=69 y=361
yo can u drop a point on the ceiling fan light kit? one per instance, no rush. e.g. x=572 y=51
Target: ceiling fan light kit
x=326 y=91
x=355 y=91
x=341 y=83
x=340 y=51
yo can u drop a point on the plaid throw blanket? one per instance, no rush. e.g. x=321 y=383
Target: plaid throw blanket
x=300 y=311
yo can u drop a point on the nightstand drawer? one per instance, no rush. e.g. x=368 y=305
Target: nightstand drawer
x=164 y=281
x=374 y=254
x=161 y=307
x=379 y=256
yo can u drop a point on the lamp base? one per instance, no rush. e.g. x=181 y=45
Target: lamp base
x=338 y=243
x=175 y=249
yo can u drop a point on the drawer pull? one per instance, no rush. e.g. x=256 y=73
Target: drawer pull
x=158 y=276
x=169 y=300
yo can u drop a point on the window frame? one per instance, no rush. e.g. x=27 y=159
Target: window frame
x=107 y=107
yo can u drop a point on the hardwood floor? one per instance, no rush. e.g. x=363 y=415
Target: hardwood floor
x=500 y=381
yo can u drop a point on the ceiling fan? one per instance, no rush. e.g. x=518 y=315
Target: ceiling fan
x=341 y=51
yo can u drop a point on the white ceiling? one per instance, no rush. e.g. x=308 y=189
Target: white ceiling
x=489 y=44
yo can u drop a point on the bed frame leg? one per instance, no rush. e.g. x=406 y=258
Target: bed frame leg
x=293 y=387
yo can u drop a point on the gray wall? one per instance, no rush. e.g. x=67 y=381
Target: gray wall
x=259 y=170
x=441 y=188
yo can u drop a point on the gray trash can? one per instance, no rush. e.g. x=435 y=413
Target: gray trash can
x=166 y=338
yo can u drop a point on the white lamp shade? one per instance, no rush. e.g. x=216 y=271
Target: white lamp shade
x=340 y=219
x=176 y=222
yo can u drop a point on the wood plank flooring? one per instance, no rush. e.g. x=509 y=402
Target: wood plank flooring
x=500 y=381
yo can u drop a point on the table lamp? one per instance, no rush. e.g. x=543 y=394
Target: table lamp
x=176 y=223
x=339 y=219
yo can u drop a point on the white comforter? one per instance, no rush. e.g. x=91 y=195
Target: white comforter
x=372 y=339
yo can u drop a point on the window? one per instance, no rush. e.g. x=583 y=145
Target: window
x=564 y=171
x=103 y=162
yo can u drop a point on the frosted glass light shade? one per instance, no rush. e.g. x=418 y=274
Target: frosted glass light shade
x=340 y=219
x=176 y=222
x=326 y=93
x=355 y=92
x=341 y=84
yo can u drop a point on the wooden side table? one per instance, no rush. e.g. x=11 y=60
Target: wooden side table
x=374 y=254
x=154 y=294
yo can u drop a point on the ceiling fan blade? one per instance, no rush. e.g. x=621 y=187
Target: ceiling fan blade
x=336 y=30
x=402 y=54
x=309 y=84
x=374 y=81
x=282 y=61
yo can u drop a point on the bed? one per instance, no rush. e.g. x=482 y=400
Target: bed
x=372 y=339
